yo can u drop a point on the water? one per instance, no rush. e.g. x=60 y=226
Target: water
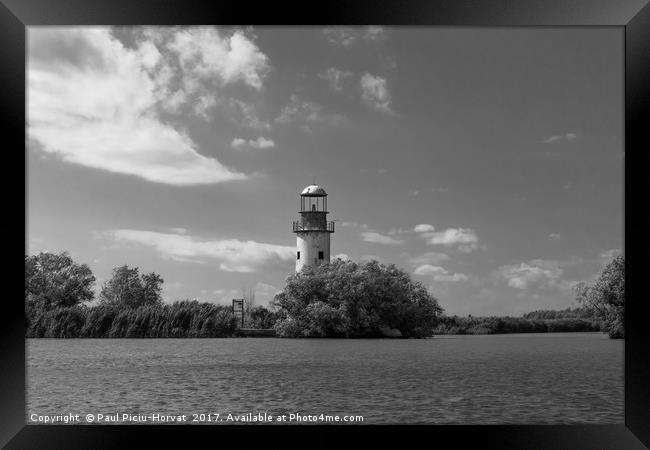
x=559 y=378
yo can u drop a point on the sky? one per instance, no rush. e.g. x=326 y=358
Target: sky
x=486 y=162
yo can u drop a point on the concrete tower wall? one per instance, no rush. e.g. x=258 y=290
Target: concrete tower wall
x=309 y=243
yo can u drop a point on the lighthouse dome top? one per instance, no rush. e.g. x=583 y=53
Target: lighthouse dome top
x=313 y=190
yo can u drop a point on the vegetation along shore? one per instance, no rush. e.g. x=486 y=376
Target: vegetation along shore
x=343 y=299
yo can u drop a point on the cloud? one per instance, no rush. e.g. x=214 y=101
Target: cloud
x=560 y=137
x=371 y=236
x=306 y=112
x=204 y=105
x=354 y=225
x=347 y=36
x=205 y=54
x=249 y=116
x=343 y=256
x=259 y=143
x=340 y=36
x=532 y=274
x=465 y=239
x=374 y=93
x=374 y=33
x=439 y=273
x=414 y=193
x=429 y=258
x=178 y=230
x=232 y=255
x=554 y=236
x=335 y=77
x=96 y=103
x=423 y=228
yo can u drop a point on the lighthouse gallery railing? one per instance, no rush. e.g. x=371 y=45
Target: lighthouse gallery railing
x=300 y=226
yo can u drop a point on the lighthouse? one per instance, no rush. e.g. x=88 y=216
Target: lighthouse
x=312 y=229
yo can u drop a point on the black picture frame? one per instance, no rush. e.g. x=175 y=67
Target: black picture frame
x=632 y=16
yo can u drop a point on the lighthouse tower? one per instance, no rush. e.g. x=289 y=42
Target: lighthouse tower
x=312 y=230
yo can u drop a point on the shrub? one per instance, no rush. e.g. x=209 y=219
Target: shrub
x=346 y=299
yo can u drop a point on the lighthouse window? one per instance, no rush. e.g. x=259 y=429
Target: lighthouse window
x=320 y=255
x=298 y=257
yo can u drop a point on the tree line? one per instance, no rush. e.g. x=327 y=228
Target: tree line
x=500 y=325
x=57 y=291
x=340 y=299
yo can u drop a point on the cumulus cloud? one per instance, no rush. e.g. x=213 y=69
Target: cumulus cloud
x=439 y=273
x=374 y=92
x=343 y=256
x=464 y=239
x=259 y=143
x=554 y=236
x=371 y=236
x=306 y=112
x=232 y=255
x=535 y=273
x=205 y=54
x=96 y=102
x=560 y=137
x=423 y=228
x=335 y=77
x=452 y=236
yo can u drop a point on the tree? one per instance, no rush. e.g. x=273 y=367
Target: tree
x=55 y=280
x=606 y=297
x=261 y=317
x=127 y=288
x=344 y=298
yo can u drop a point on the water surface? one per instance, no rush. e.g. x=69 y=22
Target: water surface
x=551 y=378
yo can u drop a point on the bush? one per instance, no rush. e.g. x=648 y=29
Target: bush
x=500 y=325
x=346 y=299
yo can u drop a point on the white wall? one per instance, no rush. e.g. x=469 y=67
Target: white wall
x=309 y=243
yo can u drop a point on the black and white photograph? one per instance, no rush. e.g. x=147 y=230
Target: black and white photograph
x=345 y=225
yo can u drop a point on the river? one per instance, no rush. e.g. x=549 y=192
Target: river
x=552 y=378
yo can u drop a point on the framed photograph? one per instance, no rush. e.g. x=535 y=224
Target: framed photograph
x=354 y=219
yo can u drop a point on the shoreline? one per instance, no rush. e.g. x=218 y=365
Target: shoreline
x=321 y=338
